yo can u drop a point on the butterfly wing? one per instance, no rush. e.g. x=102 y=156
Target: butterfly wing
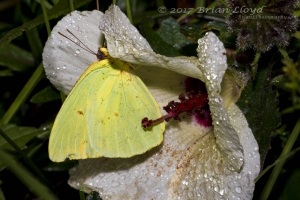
x=102 y=116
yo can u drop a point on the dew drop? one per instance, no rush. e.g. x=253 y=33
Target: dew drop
x=157 y=190
x=184 y=182
x=144 y=179
x=238 y=189
x=101 y=175
x=216 y=188
x=64 y=67
x=77 y=51
x=190 y=195
x=221 y=191
x=213 y=39
x=115 y=184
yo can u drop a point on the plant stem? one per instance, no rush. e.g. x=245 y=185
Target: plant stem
x=71 y=5
x=284 y=53
x=81 y=195
x=26 y=159
x=276 y=161
x=27 y=178
x=46 y=17
x=27 y=89
x=128 y=10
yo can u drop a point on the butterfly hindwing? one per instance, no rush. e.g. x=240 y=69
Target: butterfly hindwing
x=102 y=115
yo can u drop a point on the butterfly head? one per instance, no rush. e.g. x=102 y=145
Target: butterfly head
x=102 y=54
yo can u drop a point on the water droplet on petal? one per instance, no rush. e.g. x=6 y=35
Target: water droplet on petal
x=238 y=189
x=115 y=184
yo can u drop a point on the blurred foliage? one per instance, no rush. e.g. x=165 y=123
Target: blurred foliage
x=291 y=188
x=271 y=101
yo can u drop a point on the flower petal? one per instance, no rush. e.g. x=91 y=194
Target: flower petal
x=125 y=43
x=59 y=55
x=212 y=58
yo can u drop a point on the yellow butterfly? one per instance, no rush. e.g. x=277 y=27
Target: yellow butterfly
x=102 y=115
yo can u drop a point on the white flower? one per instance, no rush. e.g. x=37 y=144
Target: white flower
x=194 y=162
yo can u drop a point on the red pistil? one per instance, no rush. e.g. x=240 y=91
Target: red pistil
x=194 y=102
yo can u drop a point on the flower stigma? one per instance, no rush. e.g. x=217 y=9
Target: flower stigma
x=195 y=102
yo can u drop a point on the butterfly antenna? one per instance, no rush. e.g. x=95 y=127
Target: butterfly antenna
x=79 y=40
x=78 y=43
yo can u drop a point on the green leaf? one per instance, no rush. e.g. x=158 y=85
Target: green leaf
x=2 y=111
x=259 y=105
x=19 y=135
x=281 y=82
x=170 y=33
x=196 y=31
x=291 y=188
x=5 y=27
x=61 y=8
x=5 y=72
x=46 y=95
x=16 y=58
x=1 y=195
x=47 y=4
x=156 y=42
